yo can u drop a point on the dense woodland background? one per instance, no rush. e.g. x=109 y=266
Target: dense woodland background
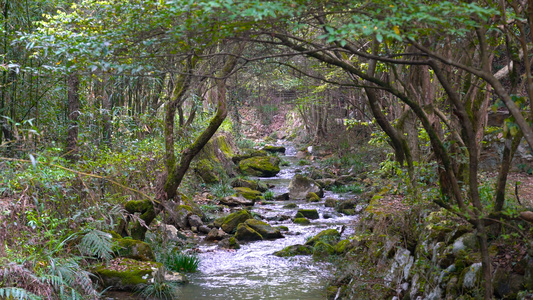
x=107 y=101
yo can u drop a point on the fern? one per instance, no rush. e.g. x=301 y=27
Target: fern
x=97 y=243
x=17 y=293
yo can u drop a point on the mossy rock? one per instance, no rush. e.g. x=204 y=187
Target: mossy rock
x=312 y=197
x=194 y=207
x=247 y=233
x=146 y=209
x=206 y=170
x=323 y=249
x=330 y=202
x=231 y=221
x=218 y=222
x=309 y=213
x=343 y=246
x=294 y=250
x=263 y=166
x=301 y=221
x=274 y=149
x=134 y=249
x=330 y=236
x=283 y=228
x=126 y=274
x=264 y=229
x=248 y=193
x=301 y=185
x=238 y=158
x=290 y=205
x=252 y=184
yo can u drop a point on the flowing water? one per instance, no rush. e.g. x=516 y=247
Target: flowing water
x=252 y=272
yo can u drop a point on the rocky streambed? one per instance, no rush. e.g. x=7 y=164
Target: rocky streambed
x=253 y=272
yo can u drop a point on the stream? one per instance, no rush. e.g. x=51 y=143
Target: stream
x=252 y=272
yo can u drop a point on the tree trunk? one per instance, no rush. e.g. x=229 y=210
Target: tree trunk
x=73 y=114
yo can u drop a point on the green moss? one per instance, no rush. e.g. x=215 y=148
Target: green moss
x=231 y=221
x=248 y=193
x=265 y=166
x=146 y=208
x=247 y=233
x=290 y=205
x=294 y=250
x=308 y=213
x=328 y=236
x=134 y=249
x=125 y=273
x=322 y=248
x=264 y=229
x=343 y=246
x=205 y=169
x=301 y=221
x=312 y=197
x=274 y=149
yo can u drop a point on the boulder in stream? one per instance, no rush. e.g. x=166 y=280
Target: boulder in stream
x=274 y=149
x=312 y=197
x=264 y=229
x=301 y=185
x=330 y=202
x=238 y=158
x=294 y=250
x=329 y=236
x=252 y=184
x=263 y=166
x=248 y=193
x=247 y=233
x=301 y=221
x=231 y=221
x=308 y=213
x=134 y=249
x=216 y=235
x=237 y=200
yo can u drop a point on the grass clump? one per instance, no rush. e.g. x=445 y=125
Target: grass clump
x=221 y=190
x=268 y=195
x=351 y=188
x=180 y=262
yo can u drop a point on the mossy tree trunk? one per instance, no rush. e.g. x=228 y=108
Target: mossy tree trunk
x=176 y=172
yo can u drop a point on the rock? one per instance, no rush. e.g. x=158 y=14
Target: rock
x=301 y=221
x=171 y=233
x=195 y=221
x=263 y=166
x=236 y=201
x=301 y=185
x=126 y=274
x=246 y=233
x=346 y=204
x=312 y=197
x=343 y=246
x=527 y=216
x=309 y=213
x=326 y=183
x=192 y=206
x=238 y=158
x=252 y=184
x=206 y=170
x=294 y=250
x=467 y=242
x=231 y=221
x=264 y=229
x=215 y=235
x=133 y=249
x=323 y=249
x=147 y=214
x=229 y=243
x=180 y=218
x=248 y=193
x=204 y=229
x=282 y=197
x=175 y=277
x=506 y=284
x=290 y=205
x=330 y=202
x=329 y=236
x=274 y=149
x=326 y=216
x=218 y=222
x=472 y=276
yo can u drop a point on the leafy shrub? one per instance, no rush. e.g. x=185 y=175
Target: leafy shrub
x=352 y=188
x=160 y=290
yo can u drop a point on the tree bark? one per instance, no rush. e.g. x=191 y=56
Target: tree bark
x=73 y=96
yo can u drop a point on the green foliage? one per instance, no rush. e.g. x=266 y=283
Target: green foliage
x=97 y=243
x=221 y=190
x=351 y=188
x=160 y=290
x=268 y=195
x=303 y=162
x=180 y=262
